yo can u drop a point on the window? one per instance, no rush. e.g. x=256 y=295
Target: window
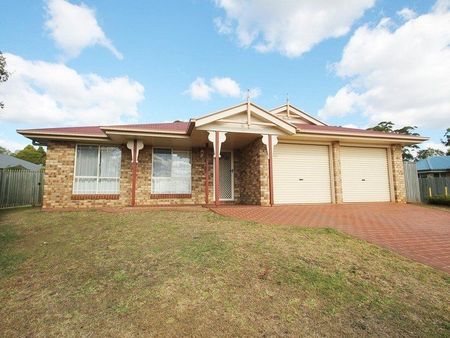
x=97 y=170
x=171 y=171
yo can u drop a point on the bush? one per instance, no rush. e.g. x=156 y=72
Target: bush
x=440 y=200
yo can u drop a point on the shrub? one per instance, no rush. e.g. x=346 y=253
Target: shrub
x=441 y=200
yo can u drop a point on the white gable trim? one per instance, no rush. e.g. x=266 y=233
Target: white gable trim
x=299 y=113
x=271 y=119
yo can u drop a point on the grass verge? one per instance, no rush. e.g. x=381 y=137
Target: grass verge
x=172 y=273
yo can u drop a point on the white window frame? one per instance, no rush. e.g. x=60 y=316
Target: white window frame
x=98 y=177
x=171 y=151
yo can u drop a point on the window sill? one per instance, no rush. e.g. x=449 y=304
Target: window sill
x=95 y=196
x=166 y=196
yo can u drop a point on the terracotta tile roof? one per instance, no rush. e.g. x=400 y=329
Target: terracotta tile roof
x=344 y=130
x=177 y=126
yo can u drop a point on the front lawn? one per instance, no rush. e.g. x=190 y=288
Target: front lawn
x=194 y=273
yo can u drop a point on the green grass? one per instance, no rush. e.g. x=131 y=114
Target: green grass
x=179 y=273
x=9 y=256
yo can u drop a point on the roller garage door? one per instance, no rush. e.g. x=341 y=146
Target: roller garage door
x=301 y=174
x=365 y=176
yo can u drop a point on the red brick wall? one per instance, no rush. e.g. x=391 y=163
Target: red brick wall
x=254 y=174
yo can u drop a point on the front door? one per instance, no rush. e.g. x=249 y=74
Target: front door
x=226 y=176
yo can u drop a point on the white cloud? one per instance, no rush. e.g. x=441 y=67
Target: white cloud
x=290 y=27
x=75 y=27
x=342 y=103
x=12 y=145
x=201 y=90
x=226 y=86
x=223 y=26
x=434 y=145
x=43 y=93
x=407 y=14
x=397 y=74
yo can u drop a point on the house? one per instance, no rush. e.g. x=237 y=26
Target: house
x=7 y=161
x=242 y=155
x=436 y=166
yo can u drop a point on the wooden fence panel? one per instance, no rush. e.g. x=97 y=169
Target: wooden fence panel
x=21 y=188
x=411 y=182
x=434 y=186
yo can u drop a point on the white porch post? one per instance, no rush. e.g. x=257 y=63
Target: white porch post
x=217 y=138
x=134 y=146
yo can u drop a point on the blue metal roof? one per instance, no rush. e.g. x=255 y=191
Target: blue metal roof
x=437 y=163
x=11 y=161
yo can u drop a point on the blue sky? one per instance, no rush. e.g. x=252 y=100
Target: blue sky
x=145 y=57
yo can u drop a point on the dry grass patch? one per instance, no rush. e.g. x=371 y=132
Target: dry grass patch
x=173 y=273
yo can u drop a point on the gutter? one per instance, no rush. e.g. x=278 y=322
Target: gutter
x=387 y=136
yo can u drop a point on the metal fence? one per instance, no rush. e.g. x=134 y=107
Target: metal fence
x=434 y=186
x=411 y=182
x=21 y=187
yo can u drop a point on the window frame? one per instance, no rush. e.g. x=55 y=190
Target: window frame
x=98 y=177
x=185 y=194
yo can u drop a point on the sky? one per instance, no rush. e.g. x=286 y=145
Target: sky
x=347 y=62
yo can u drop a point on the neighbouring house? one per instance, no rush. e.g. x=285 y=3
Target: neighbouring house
x=242 y=155
x=7 y=161
x=436 y=166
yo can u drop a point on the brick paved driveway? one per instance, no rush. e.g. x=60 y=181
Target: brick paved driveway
x=420 y=233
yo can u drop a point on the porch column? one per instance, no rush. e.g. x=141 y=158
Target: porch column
x=206 y=174
x=217 y=138
x=270 y=141
x=134 y=146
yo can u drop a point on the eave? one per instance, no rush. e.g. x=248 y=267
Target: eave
x=388 y=138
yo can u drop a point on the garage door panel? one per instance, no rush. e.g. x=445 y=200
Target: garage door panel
x=301 y=174
x=365 y=176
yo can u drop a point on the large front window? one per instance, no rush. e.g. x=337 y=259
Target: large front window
x=171 y=172
x=97 y=170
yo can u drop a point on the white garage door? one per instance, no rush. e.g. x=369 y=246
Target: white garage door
x=365 y=175
x=301 y=174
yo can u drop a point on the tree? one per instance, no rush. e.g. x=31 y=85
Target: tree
x=31 y=154
x=388 y=127
x=41 y=150
x=4 y=151
x=446 y=140
x=428 y=152
x=4 y=75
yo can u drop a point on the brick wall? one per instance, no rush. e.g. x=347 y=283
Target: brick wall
x=337 y=176
x=237 y=176
x=254 y=174
x=59 y=172
x=398 y=174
